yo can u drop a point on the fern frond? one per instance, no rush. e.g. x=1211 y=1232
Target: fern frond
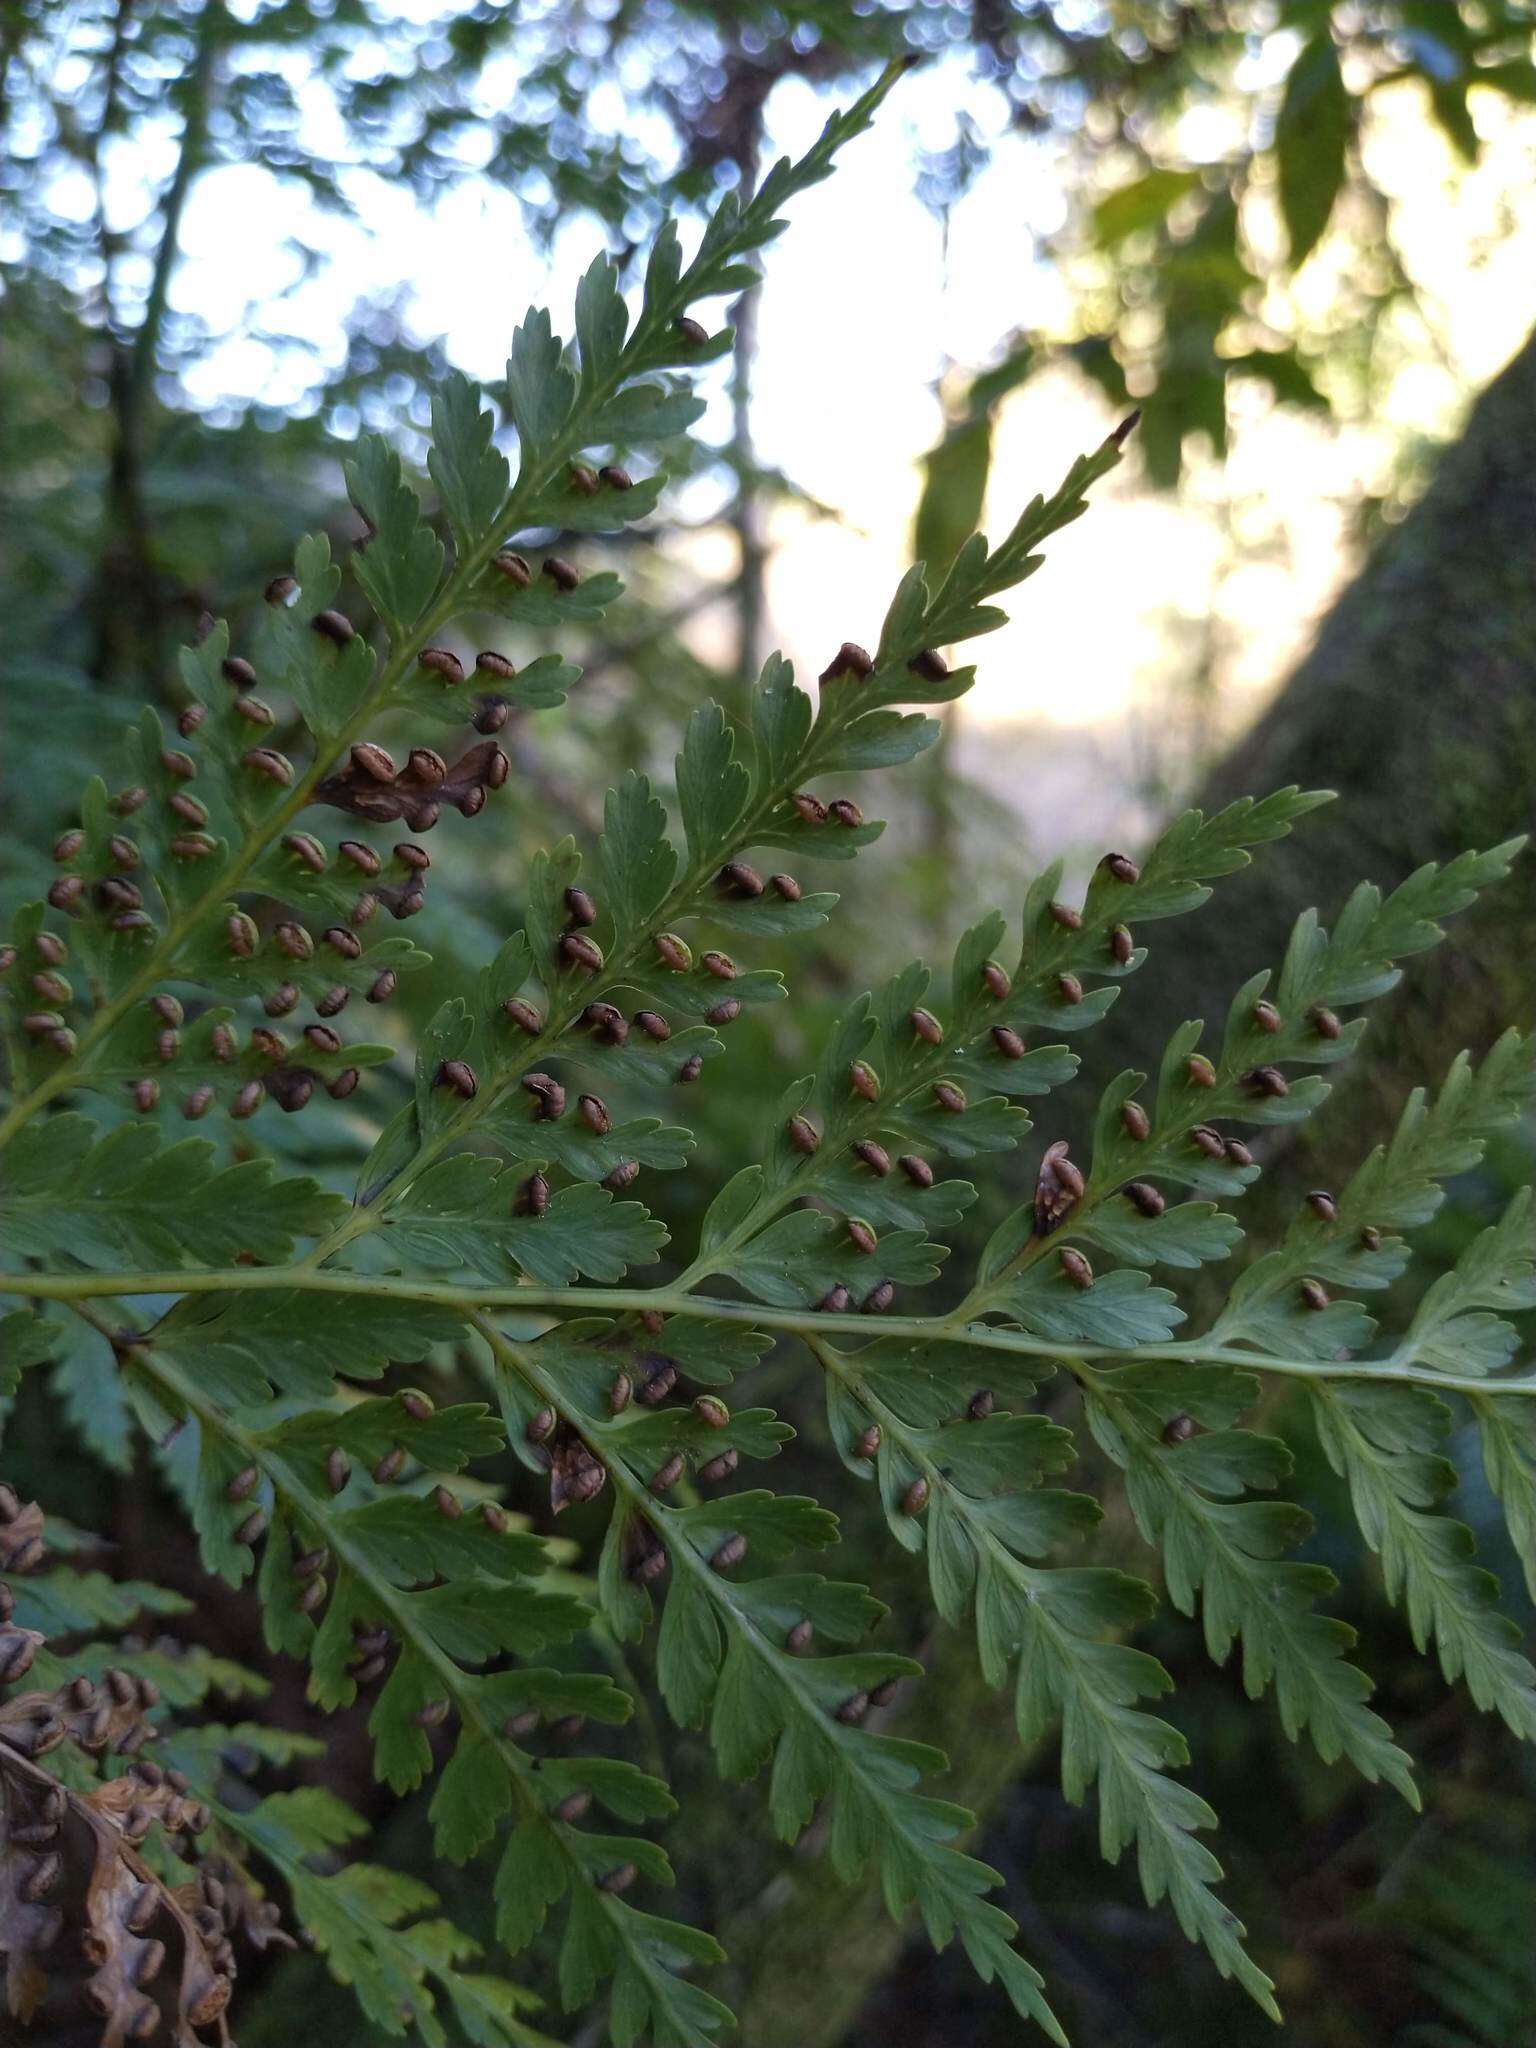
x=373 y=1562
x=731 y=1653
x=988 y=1527
x=1189 y=1496
x=229 y=833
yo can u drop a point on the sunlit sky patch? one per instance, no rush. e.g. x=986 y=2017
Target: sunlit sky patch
x=868 y=300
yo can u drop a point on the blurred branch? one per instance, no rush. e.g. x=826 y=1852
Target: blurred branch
x=128 y=597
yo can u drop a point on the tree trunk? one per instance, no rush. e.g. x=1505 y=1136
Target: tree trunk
x=1418 y=705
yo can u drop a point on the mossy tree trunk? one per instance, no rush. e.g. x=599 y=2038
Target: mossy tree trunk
x=1417 y=703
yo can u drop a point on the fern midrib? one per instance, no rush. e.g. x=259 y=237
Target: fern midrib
x=74 y=1287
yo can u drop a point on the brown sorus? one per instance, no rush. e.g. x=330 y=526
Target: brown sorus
x=362 y=856
x=547 y=1092
x=1268 y=1081
x=666 y=1476
x=741 y=878
x=374 y=762
x=1075 y=1267
x=850 y=660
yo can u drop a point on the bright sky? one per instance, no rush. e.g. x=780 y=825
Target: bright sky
x=865 y=305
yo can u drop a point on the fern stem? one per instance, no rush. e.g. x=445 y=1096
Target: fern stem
x=78 y=1287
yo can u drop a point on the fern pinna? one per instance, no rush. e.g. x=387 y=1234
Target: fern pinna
x=212 y=933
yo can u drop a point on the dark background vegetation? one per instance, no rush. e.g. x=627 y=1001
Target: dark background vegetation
x=125 y=513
